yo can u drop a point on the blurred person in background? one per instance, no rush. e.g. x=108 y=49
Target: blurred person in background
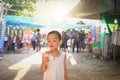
x=38 y=39
x=34 y=40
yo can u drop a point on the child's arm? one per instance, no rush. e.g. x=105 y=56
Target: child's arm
x=44 y=63
x=65 y=69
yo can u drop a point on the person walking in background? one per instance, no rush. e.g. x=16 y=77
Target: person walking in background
x=64 y=45
x=38 y=39
x=5 y=43
x=70 y=40
x=34 y=40
x=54 y=61
x=76 y=41
x=89 y=36
x=81 y=41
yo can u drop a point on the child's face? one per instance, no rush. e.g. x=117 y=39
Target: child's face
x=53 y=41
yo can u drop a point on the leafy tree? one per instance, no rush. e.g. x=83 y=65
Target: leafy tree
x=20 y=7
x=32 y=29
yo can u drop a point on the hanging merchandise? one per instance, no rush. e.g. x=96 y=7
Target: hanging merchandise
x=116 y=44
x=2 y=28
x=106 y=45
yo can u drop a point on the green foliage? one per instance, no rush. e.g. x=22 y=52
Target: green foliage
x=96 y=44
x=32 y=29
x=21 y=7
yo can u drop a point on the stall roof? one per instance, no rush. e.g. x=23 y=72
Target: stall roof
x=22 y=21
x=32 y=22
x=91 y=9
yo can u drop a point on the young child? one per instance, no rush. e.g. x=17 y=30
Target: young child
x=54 y=61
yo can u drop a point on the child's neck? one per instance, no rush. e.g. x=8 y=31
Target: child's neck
x=55 y=53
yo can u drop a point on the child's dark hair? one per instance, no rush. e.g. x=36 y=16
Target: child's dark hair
x=57 y=33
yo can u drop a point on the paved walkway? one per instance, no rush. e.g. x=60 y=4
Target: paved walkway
x=25 y=65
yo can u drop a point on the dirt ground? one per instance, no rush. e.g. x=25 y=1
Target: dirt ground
x=24 y=64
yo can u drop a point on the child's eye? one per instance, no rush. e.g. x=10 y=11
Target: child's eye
x=48 y=41
x=54 y=41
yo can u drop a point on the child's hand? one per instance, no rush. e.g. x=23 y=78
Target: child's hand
x=45 y=58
